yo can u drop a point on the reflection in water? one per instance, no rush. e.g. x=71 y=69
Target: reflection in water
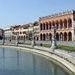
x=17 y=59
x=3 y=58
x=16 y=62
x=34 y=67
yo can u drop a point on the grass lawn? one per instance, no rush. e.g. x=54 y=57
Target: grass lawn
x=62 y=47
x=67 y=48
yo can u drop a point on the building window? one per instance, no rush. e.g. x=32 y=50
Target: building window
x=65 y=23
x=69 y=36
x=49 y=25
x=24 y=32
x=46 y=26
x=20 y=32
x=65 y=36
x=69 y=23
x=41 y=26
x=61 y=24
x=57 y=24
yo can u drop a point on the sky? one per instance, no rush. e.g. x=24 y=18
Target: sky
x=15 y=12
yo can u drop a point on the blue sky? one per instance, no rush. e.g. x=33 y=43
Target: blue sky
x=14 y=12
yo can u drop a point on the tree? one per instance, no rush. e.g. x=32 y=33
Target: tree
x=35 y=23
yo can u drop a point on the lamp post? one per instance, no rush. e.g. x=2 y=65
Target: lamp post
x=54 y=45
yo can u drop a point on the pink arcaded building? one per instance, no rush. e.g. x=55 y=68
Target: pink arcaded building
x=64 y=23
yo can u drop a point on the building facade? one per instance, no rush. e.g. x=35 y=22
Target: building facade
x=8 y=34
x=63 y=22
x=20 y=31
x=36 y=32
x=25 y=31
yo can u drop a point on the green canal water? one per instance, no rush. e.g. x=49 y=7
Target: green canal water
x=18 y=62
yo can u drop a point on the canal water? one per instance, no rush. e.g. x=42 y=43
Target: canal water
x=18 y=62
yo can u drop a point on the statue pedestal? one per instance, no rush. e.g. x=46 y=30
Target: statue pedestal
x=16 y=43
x=33 y=43
x=17 y=40
x=53 y=46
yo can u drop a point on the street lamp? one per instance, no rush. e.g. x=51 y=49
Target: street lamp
x=54 y=45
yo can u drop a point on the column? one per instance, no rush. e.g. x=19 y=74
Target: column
x=73 y=30
x=73 y=36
